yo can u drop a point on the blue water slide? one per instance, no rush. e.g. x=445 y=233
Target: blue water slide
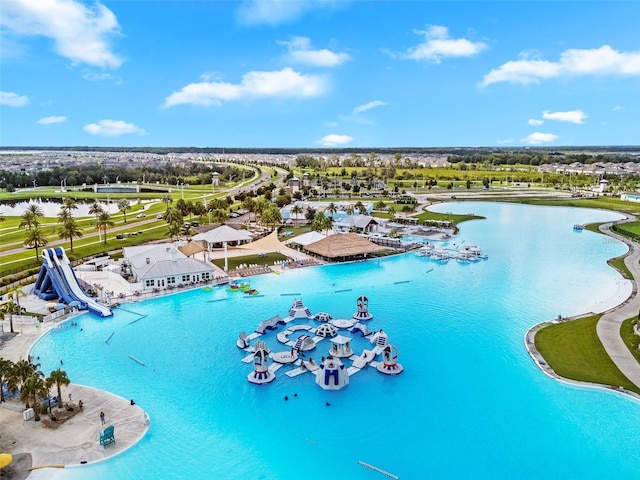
x=39 y=280
x=59 y=284
x=64 y=270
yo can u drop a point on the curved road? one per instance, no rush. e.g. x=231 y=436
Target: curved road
x=608 y=328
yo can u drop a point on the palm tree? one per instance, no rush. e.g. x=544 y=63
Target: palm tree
x=104 y=222
x=360 y=207
x=15 y=292
x=69 y=230
x=34 y=238
x=349 y=209
x=33 y=387
x=249 y=203
x=10 y=309
x=21 y=371
x=58 y=378
x=271 y=216
x=167 y=199
x=30 y=217
x=331 y=209
x=6 y=366
x=123 y=206
x=218 y=216
x=95 y=209
x=68 y=204
x=295 y=211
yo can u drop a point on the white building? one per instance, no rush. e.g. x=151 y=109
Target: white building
x=164 y=266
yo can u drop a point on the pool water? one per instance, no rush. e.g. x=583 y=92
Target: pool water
x=470 y=403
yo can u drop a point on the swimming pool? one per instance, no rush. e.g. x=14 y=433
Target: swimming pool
x=470 y=403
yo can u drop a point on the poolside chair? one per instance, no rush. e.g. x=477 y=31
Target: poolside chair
x=107 y=437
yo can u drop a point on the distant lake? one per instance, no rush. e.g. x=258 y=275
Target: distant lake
x=51 y=207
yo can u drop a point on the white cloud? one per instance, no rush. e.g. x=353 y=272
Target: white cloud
x=51 y=120
x=617 y=108
x=537 y=138
x=574 y=62
x=535 y=121
x=300 y=51
x=439 y=45
x=97 y=76
x=334 y=140
x=276 y=12
x=79 y=32
x=12 y=99
x=368 y=106
x=283 y=83
x=113 y=128
x=572 y=116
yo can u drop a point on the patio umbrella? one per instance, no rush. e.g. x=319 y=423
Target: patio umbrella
x=75 y=303
x=5 y=459
x=59 y=306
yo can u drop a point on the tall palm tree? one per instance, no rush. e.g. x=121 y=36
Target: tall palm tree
x=218 y=216
x=295 y=211
x=123 y=206
x=360 y=207
x=331 y=209
x=59 y=379
x=34 y=238
x=104 y=222
x=167 y=199
x=6 y=366
x=95 y=209
x=30 y=217
x=350 y=209
x=16 y=292
x=21 y=371
x=10 y=309
x=69 y=204
x=33 y=387
x=69 y=230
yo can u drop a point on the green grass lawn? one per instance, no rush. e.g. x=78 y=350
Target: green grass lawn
x=267 y=259
x=630 y=339
x=574 y=351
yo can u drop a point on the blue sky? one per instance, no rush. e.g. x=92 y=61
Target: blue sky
x=323 y=73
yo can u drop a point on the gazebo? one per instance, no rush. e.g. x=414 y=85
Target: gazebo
x=222 y=236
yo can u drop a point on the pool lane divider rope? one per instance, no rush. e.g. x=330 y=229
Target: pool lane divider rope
x=403 y=281
x=345 y=290
x=109 y=337
x=289 y=294
x=217 y=299
x=379 y=470
x=136 y=360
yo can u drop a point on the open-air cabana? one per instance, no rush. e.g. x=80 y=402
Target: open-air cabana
x=342 y=247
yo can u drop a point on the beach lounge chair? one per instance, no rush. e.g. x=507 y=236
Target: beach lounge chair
x=107 y=437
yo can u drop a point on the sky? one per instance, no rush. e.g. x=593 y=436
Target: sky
x=319 y=73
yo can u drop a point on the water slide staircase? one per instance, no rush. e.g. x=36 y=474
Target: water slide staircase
x=57 y=280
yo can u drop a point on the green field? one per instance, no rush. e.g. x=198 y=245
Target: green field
x=574 y=351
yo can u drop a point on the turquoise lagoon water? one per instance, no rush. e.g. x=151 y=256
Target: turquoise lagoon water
x=470 y=404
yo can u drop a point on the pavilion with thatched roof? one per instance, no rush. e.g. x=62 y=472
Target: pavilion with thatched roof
x=343 y=247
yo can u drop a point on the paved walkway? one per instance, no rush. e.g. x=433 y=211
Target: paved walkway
x=608 y=328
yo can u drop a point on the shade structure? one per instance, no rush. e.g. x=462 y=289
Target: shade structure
x=60 y=306
x=74 y=303
x=5 y=459
x=346 y=245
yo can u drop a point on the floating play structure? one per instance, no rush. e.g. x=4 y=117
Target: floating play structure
x=468 y=253
x=57 y=281
x=333 y=371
